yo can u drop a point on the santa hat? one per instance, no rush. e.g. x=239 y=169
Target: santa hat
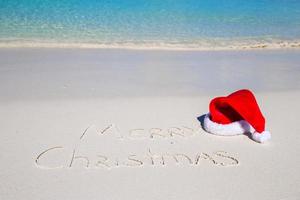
x=238 y=113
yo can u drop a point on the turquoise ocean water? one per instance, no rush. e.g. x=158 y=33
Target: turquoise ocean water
x=150 y=23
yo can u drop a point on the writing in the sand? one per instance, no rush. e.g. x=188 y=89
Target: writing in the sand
x=63 y=157
x=218 y=158
x=144 y=133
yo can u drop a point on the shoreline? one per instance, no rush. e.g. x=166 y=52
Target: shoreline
x=240 y=45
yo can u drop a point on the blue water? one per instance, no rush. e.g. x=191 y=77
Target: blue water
x=142 y=22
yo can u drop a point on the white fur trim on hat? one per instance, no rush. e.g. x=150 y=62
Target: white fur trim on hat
x=234 y=128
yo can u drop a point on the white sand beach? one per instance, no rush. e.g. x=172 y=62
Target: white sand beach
x=124 y=124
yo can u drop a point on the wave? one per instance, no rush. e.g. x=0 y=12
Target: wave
x=206 y=44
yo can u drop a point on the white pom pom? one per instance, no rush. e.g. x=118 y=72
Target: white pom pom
x=261 y=137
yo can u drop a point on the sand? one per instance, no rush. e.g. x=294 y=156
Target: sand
x=124 y=124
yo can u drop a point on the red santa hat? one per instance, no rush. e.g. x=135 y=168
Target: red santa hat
x=238 y=113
